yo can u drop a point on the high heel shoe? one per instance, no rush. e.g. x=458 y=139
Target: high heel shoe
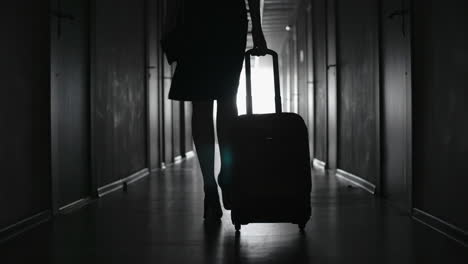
x=212 y=207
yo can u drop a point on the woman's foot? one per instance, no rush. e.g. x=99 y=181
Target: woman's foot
x=226 y=192
x=212 y=207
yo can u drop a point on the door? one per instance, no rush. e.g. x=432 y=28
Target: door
x=302 y=64
x=70 y=101
x=176 y=130
x=310 y=80
x=188 y=128
x=293 y=88
x=396 y=105
x=153 y=66
x=167 y=114
x=320 y=82
x=332 y=86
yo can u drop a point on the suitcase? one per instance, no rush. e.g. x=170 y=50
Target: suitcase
x=271 y=180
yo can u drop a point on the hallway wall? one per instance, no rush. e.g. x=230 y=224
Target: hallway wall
x=440 y=110
x=129 y=85
x=358 y=82
x=119 y=116
x=439 y=70
x=24 y=111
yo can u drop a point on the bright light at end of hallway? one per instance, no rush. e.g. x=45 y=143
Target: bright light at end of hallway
x=263 y=92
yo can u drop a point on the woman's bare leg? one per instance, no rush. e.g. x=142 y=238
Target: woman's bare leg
x=204 y=140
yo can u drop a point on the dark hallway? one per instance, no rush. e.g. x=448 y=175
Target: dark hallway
x=99 y=163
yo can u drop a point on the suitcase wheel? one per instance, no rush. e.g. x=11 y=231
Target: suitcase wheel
x=238 y=227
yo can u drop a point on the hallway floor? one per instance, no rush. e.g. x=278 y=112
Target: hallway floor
x=159 y=220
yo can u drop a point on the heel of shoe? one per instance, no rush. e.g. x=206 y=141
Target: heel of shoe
x=212 y=207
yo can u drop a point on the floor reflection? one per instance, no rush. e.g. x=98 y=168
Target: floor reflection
x=211 y=242
x=160 y=220
x=271 y=248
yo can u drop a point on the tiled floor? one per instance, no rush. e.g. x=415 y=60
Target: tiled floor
x=159 y=220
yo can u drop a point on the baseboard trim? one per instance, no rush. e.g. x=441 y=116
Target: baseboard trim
x=122 y=183
x=367 y=186
x=110 y=188
x=75 y=206
x=441 y=226
x=136 y=176
x=29 y=223
x=178 y=159
x=319 y=165
x=186 y=156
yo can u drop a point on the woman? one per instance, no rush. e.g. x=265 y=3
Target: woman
x=210 y=51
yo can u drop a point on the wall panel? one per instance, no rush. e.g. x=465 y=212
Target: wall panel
x=396 y=107
x=188 y=127
x=320 y=79
x=120 y=101
x=439 y=106
x=70 y=102
x=358 y=84
x=24 y=111
x=167 y=117
x=153 y=32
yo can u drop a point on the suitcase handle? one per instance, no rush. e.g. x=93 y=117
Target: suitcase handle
x=248 y=75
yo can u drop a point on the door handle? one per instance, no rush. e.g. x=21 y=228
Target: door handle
x=62 y=15
x=400 y=13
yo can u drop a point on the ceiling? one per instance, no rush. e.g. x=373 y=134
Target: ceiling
x=276 y=16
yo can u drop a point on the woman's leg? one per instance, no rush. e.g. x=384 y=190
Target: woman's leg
x=226 y=114
x=204 y=140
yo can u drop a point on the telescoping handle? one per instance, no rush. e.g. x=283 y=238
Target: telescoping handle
x=248 y=75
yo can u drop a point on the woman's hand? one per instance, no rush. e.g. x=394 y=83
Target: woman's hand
x=260 y=45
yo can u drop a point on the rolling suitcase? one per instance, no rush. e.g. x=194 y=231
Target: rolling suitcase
x=271 y=179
